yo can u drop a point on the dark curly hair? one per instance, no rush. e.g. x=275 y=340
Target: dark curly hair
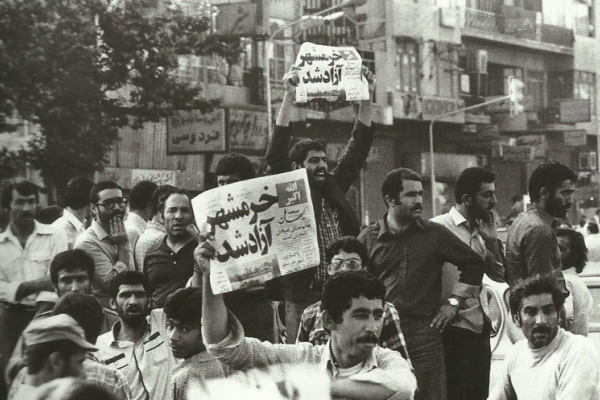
x=578 y=254
x=537 y=284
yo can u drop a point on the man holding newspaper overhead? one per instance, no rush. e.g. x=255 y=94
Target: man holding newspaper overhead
x=334 y=215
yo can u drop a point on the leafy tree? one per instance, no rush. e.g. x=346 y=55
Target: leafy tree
x=82 y=69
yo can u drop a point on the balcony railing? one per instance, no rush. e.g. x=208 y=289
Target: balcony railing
x=517 y=24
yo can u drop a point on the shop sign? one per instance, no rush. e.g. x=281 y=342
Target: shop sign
x=248 y=130
x=517 y=153
x=536 y=142
x=576 y=138
x=574 y=110
x=194 y=132
x=158 y=176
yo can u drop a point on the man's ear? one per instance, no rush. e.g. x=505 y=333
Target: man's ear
x=328 y=322
x=296 y=165
x=55 y=363
x=389 y=200
x=545 y=193
x=113 y=304
x=517 y=319
x=466 y=199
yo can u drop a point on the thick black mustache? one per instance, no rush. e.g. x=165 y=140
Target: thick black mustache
x=418 y=207
x=134 y=309
x=318 y=170
x=541 y=329
x=367 y=339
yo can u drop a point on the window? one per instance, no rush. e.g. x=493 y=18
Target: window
x=534 y=87
x=584 y=87
x=584 y=22
x=408 y=68
x=277 y=64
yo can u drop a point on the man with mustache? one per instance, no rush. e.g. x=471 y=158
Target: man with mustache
x=352 y=305
x=26 y=248
x=550 y=363
x=106 y=239
x=466 y=339
x=531 y=245
x=138 y=344
x=170 y=264
x=334 y=215
x=408 y=253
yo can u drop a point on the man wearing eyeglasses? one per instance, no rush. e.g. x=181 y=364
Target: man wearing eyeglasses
x=347 y=253
x=106 y=239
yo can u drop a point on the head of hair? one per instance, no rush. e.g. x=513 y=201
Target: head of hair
x=185 y=306
x=84 y=309
x=100 y=186
x=577 y=247
x=162 y=204
x=235 y=164
x=341 y=288
x=72 y=389
x=72 y=260
x=299 y=150
x=49 y=214
x=469 y=182
x=593 y=227
x=77 y=193
x=24 y=188
x=141 y=195
x=537 y=284
x=549 y=175
x=37 y=354
x=393 y=183
x=160 y=195
x=128 y=278
x=349 y=244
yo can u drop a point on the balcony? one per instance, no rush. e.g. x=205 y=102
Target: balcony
x=518 y=27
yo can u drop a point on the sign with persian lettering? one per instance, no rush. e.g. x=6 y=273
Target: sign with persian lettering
x=248 y=130
x=326 y=72
x=158 y=176
x=196 y=132
x=263 y=228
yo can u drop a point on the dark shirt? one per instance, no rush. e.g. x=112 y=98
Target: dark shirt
x=168 y=271
x=410 y=265
x=532 y=247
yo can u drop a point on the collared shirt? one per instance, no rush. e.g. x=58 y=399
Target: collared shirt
x=100 y=246
x=592 y=242
x=194 y=371
x=151 y=237
x=147 y=364
x=135 y=226
x=383 y=367
x=69 y=224
x=18 y=264
x=168 y=271
x=410 y=265
x=311 y=329
x=532 y=247
x=470 y=316
x=96 y=372
x=328 y=231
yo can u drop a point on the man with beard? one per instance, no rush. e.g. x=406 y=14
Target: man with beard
x=550 y=363
x=56 y=348
x=138 y=345
x=26 y=248
x=408 y=253
x=466 y=339
x=531 y=245
x=169 y=265
x=106 y=239
x=334 y=215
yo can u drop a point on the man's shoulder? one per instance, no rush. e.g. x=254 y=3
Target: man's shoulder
x=579 y=344
x=370 y=231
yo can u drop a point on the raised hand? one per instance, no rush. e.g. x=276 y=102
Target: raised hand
x=291 y=80
x=118 y=231
x=371 y=78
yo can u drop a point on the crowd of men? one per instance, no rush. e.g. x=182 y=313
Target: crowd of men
x=117 y=290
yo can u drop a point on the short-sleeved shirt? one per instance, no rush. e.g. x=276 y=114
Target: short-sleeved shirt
x=168 y=271
x=18 y=264
x=70 y=225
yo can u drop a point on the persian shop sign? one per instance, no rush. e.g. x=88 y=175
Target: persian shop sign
x=195 y=132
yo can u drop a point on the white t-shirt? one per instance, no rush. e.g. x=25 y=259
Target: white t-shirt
x=565 y=369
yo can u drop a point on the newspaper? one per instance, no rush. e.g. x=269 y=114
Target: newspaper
x=326 y=72
x=263 y=228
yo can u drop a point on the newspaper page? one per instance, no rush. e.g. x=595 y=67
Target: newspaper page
x=263 y=228
x=326 y=72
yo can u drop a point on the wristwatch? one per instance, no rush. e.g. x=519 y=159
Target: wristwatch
x=453 y=302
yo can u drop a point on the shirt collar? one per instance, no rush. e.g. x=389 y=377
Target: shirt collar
x=155 y=226
x=136 y=219
x=457 y=217
x=72 y=219
x=38 y=229
x=117 y=327
x=328 y=364
x=385 y=230
x=99 y=230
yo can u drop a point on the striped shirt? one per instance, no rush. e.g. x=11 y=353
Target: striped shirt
x=151 y=237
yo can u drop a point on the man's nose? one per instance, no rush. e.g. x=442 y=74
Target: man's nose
x=494 y=200
x=174 y=336
x=541 y=319
x=75 y=287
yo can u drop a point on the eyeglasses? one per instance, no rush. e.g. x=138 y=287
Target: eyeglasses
x=352 y=264
x=109 y=204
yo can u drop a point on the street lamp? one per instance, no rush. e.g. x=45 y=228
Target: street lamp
x=269 y=42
